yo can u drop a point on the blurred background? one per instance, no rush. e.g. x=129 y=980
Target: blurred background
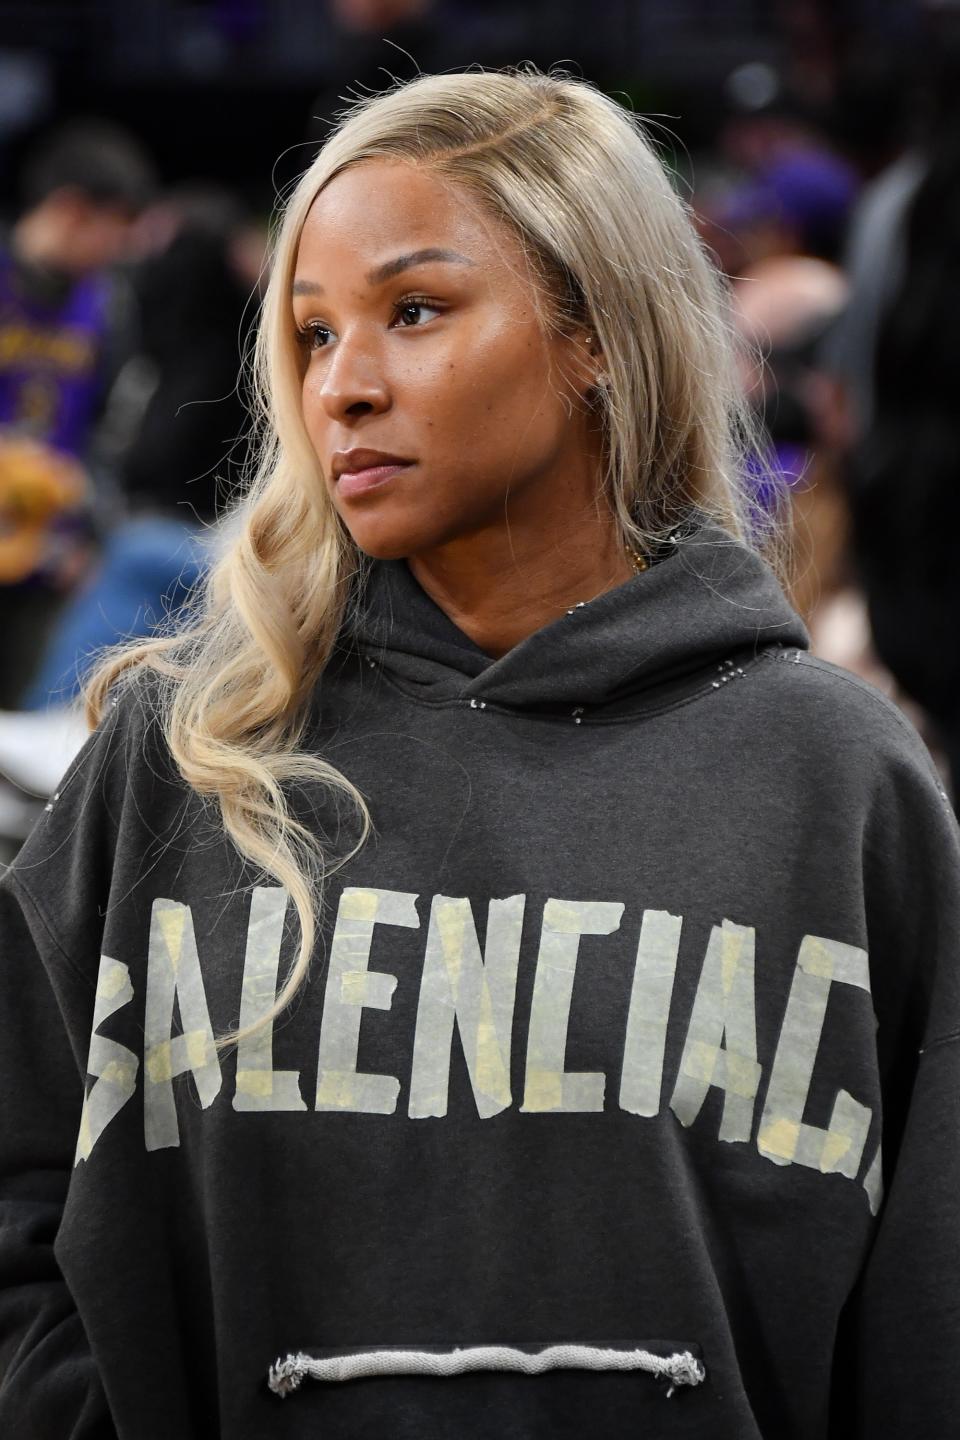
x=143 y=152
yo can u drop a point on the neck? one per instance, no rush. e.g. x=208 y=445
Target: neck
x=500 y=588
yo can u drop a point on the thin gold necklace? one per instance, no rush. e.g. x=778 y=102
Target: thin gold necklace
x=639 y=563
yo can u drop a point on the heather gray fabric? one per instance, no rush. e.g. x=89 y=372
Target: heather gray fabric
x=631 y=1032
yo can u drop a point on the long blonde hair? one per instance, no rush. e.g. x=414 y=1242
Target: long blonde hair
x=612 y=247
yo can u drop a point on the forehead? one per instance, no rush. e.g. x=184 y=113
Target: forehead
x=380 y=207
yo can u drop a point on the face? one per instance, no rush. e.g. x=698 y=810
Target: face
x=96 y=234
x=438 y=406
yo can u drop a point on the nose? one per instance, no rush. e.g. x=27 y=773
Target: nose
x=354 y=382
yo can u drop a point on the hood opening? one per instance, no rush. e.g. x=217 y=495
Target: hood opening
x=709 y=599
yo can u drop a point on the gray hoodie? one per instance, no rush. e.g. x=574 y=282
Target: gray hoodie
x=624 y=1097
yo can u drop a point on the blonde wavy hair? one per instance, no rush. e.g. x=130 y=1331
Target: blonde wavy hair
x=612 y=247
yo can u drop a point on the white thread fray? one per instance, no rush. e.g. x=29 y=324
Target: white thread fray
x=681 y=1368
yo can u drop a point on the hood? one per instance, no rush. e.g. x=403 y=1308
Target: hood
x=707 y=600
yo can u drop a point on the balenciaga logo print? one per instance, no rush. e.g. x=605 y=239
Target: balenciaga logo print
x=473 y=989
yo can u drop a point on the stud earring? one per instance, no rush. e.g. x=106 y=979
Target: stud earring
x=603 y=380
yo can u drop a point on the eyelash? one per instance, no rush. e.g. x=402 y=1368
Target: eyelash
x=307 y=333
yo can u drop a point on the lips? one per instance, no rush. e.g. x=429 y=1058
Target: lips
x=357 y=471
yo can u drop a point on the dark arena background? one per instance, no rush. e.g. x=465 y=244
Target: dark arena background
x=816 y=142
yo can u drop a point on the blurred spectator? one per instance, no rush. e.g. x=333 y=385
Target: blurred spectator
x=64 y=330
x=193 y=295
x=797 y=204
x=918 y=103
x=369 y=41
x=373 y=42
x=874 y=263
x=788 y=191
x=378 y=15
x=783 y=306
x=907 y=468
x=178 y=422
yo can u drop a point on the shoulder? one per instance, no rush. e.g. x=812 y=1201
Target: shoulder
x=129 y=742
x=849 y=763
x=121 y=790
x=834 y=718
x=860 y=784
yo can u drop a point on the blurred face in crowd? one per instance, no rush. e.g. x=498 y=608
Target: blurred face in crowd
x=378 y=14
x=84 y=234
x=440 y=408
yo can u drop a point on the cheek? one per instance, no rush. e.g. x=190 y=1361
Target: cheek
x=494 y=393
x=315 y=417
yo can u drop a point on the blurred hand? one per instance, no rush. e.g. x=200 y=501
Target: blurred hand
x=37 y=485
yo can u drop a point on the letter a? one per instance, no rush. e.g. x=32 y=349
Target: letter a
x=721 y=1044
x=173 y=973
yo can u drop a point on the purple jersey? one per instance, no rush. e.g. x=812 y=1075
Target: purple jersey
x=49 y=352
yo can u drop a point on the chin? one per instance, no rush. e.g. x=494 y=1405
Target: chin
x=383 y=551
x=388 y=532
x=388 y=542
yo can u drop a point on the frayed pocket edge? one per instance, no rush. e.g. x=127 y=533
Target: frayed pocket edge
x=678 y=1367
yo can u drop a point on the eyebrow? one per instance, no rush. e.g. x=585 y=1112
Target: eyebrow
x=390 y=268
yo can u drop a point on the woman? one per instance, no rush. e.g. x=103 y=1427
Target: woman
x=495 y=949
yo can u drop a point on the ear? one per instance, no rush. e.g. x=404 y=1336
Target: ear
x=585 y=367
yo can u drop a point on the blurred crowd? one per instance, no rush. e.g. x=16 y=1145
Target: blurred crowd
x=844 y=268
x=126 y=305
x=124 y=313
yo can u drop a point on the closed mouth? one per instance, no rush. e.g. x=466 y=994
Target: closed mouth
x=359 y=462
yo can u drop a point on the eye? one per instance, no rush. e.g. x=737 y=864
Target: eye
x=408 y=313
x=313 y=335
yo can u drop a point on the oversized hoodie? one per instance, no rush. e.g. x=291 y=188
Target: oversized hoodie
x=624 y=1095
